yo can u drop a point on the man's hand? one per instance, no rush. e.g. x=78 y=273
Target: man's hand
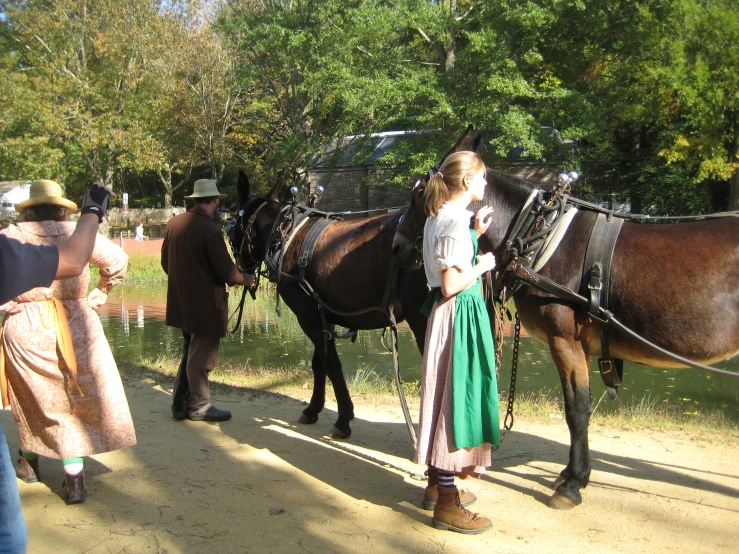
x=248 y=279
x=97 y=201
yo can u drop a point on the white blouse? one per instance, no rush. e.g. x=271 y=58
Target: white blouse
x=447 y=242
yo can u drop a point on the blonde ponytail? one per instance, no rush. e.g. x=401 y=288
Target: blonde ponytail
x=447 y=182
x=437 y=194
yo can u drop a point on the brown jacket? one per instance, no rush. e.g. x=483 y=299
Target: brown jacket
x=195 y=258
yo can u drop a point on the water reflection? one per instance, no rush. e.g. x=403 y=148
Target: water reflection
x=263 y=339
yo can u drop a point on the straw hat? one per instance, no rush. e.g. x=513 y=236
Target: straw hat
x=205 y=188
x=46 y=192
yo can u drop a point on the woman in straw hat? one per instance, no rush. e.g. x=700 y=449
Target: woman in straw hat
x=56 y=369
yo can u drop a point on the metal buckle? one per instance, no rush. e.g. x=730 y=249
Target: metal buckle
x=606 y=366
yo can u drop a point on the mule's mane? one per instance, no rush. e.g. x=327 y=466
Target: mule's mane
x=511 y=180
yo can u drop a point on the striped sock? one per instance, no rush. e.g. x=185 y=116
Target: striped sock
x=446 y=478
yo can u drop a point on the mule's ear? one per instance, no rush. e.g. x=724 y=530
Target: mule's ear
x=466 y=141
x=272 y=195
x=242 y=189
x=476 y=142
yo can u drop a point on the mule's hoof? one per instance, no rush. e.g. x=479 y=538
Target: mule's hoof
x=307 y=420
x=337 y=433
x=558 y=482
x=560 y=501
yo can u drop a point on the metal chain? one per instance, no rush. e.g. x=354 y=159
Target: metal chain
x=508 y=422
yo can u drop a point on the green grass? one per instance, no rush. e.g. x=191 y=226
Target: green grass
x=142 y=268
x=650 y=412
x=542 y=407
x=145 y=268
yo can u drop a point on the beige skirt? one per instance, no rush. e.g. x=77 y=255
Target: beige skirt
x=435 y=428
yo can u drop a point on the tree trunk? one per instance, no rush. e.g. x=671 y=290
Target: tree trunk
x=734 y=191
x=167 y=182
x=450 y=54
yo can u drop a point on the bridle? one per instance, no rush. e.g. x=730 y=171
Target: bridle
x=415 y=239
x=248 y=235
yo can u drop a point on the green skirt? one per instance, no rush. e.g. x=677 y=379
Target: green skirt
x=474 y=383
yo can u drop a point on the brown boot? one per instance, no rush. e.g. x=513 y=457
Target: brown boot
x=76 y=489
x=449 y=514
x=27 y=470
x=432 y=491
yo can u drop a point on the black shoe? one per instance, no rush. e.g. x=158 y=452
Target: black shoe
x=76 y=489
x=212 y=414
x=178 y=414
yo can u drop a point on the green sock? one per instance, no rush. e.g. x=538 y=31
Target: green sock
x=28 y=455
x=68 y=461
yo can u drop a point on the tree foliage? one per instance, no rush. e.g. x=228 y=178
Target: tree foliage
x=107 y=89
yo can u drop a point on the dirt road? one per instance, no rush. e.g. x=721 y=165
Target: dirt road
x=263 y=483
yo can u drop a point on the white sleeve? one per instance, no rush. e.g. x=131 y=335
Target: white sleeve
x=454 y=246
x=447 y=253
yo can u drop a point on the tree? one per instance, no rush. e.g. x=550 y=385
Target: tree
x=87 y=61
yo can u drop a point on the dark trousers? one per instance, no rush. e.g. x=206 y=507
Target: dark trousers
x=191 y=386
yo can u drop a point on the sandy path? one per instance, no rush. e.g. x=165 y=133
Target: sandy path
x=263 y=483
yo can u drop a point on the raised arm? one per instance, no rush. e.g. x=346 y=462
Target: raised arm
x=75 y=252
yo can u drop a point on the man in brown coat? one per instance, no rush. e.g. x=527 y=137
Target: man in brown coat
x=198 y=266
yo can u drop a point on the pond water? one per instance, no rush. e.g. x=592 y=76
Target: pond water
x=133 y=320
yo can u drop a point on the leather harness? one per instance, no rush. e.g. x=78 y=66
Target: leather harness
x=517 y=270
x=596 y=286
x=323 y=220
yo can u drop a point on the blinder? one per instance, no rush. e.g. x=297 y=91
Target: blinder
x=248 y=235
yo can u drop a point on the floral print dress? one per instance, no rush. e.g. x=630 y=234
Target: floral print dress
x=61 y=415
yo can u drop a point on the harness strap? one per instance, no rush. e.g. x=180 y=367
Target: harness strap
x=596 y=287
x=283 y=249
x=544 y=284
x=307 y=249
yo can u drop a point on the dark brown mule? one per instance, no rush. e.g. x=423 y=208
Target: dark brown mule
x=676 y=284
x=348 y=271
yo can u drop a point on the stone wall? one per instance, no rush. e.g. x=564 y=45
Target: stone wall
x=348 y=190
x=154 y=220
x=121 y=222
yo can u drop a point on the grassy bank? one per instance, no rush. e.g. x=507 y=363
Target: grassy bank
x=368 y=385
x=142 y=269
x=145 y=268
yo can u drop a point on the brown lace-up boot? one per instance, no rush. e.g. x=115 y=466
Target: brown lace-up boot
x=27 y=470
x=451 y=515
x=432 y=491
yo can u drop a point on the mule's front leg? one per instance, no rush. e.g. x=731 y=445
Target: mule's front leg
x=318 y=398
x=572 y=363
x=341 y=429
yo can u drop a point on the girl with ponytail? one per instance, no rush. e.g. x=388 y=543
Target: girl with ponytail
x=459 y=419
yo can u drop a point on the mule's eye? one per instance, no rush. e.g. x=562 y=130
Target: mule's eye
x=402 y=217
x=417 y=184
x=241 y=213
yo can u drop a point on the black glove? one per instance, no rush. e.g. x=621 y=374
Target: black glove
x=96 y=201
